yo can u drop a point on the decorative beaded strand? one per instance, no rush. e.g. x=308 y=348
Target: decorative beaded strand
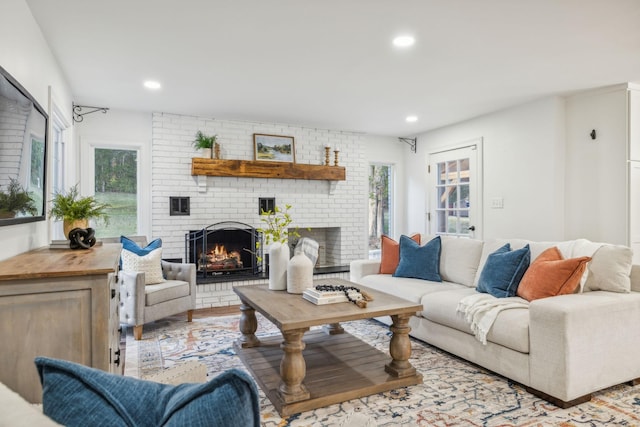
x=362 y=303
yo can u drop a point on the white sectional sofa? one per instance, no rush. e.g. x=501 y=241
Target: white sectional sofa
x=561 y=348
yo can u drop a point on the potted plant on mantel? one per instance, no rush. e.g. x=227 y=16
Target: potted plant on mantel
x=276 y=237
x=75 y=211
x=16 y=200
x=205 y=143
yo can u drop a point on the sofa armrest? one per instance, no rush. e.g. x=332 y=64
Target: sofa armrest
x=132 y=297
x=181 y=271
x=580 y=343
x=363 y=267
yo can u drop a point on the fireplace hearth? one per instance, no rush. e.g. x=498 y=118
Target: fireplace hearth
x=223 y=249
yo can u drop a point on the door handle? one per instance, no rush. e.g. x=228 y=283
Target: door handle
x=472 y=228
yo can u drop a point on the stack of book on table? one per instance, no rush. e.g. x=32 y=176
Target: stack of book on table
x=324 y=297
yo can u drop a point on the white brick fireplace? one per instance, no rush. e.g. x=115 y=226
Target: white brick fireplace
x=337 y=209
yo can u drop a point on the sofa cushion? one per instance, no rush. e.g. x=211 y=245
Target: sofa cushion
x=610 y=269
x=165 y=291
x=459 y=259
x=410 y=289
x=510 y=329
x=503 y=271
x=149 y=264
x=390 y=253
x=551 y=274
x=420 y=262
x=78 y=395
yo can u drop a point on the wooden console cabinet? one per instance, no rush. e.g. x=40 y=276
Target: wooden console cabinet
x=58 y=303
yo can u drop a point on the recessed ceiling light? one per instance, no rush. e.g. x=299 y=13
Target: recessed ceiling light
x=151 y=84
x=411 y=119
x=404 y=41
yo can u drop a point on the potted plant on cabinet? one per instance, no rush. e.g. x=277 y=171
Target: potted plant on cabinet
x=205 y=143
x=16 y=200
x=75 y=210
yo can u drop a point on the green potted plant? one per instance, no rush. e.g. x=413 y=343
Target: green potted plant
x=276 y=237
x=75 y=210
x=16 y=200
x=205 y=143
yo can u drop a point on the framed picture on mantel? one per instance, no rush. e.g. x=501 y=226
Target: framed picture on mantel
x=274 y=148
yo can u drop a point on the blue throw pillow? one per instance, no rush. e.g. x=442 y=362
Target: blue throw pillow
x=503 y=271
x=419 y=262
x=75 y=395
x=132 y=246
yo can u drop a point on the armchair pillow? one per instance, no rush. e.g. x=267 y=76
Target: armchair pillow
x=150 y=264
x=76 y=395
x=132 y=246
x=419 y=262
x=503 y=271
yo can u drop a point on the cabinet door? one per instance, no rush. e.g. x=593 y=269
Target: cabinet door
x=51 y=324
x=634 y=124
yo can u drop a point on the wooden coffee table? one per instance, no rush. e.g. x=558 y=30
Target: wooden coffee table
x=330 y=365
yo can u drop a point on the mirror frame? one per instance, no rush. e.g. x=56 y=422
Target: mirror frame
x=45 y=133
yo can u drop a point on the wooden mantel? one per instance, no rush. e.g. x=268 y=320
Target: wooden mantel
x=265 y=169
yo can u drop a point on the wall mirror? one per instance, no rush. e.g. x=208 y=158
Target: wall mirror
x=23 y=148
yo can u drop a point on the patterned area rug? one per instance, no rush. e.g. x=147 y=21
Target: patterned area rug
x=454 y=392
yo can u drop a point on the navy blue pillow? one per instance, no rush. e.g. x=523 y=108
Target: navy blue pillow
x=419 y=262
x=76 y=395
x=503 y=271
x=132 y=246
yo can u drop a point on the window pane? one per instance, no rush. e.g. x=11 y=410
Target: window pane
x=380 y=221
x=116 y=180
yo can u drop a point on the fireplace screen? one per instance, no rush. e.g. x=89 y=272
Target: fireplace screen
x=224 y=248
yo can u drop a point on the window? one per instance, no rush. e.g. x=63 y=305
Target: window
x=116 y=183
x=380 y=206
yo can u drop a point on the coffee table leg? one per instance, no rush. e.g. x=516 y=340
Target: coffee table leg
x=400 y=347
x=248 y=326
x=293 y=367
x=333 y=329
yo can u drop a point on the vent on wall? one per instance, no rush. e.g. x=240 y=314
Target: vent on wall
x=266 y=204
x=179 y=206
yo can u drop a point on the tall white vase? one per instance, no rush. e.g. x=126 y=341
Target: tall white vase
x=299 y=273
x=278 y=261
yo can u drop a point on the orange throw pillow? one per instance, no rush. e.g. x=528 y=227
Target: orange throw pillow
x=390 y=256
x=550 y=274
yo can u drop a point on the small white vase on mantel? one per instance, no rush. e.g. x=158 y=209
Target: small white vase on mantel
x=206 y=153
x=278 y=261
x=299 y=273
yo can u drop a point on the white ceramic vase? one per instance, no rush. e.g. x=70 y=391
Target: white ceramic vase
x=206 y=153
x=299 y=273
x=278 y=261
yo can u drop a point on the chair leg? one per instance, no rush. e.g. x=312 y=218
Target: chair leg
x=137 y=332
x=189 y=315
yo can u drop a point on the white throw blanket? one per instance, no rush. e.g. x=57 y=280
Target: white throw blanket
x=481 y=310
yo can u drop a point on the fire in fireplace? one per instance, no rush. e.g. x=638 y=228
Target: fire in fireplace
x=223 y=248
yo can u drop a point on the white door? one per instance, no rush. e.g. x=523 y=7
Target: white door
x=454 y=192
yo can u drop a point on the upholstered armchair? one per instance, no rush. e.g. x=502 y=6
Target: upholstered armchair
x=142 y=303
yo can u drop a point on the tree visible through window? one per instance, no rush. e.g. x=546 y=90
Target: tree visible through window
x=116 y=183
x=379 y=206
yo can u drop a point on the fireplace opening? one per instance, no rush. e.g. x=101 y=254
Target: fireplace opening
x=223 y=249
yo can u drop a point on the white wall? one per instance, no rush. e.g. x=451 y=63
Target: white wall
x=523 y=163
x=25 y=54
x=120 y=130
x=596 y=173
x=391 y=151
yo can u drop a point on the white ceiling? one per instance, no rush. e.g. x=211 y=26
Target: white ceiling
x=330 y=63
